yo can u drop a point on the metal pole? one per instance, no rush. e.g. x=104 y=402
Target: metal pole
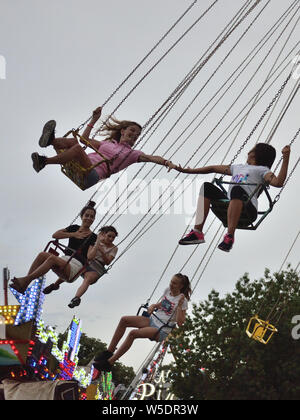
x=137 y=378
x=5 y=283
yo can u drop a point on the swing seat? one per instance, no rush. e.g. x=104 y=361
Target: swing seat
x=76 y=173
x=53 y=247
x=260 y=330
x=220 y=207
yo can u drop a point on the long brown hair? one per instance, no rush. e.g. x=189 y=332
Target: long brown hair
x=112 y=128
x=186 y=285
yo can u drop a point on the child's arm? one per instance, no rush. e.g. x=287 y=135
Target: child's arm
x=278 y=181
x=88 y=129
x=158 y=160
x=218 y=169
x=180 y=314
x=153 y=307
x=64 y=234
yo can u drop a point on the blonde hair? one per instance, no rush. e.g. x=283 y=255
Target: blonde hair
x=112 y=128
x=186 y=285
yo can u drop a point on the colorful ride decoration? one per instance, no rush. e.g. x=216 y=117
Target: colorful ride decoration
x=29 y=348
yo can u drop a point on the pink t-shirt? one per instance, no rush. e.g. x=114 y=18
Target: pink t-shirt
x=126 y=156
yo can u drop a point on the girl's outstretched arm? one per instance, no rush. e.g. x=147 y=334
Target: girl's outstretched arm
x=278 y=181
x=158 y=160
x=218 y=169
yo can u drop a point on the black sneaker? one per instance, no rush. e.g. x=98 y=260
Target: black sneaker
x=104 y=355
x=103 y=366
x=50 y=288
x=38 y=162
x=74 y=302
x=47 y=136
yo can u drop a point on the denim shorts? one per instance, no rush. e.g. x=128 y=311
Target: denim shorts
x=96 y=267
x=92 y=178
x=163 y=333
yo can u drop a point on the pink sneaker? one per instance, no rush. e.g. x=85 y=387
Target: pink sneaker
x=192 y=238
x=227 y=243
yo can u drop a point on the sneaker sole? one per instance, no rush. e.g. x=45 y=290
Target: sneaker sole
x=48 y=130
x=72 y=305
x=49 y=290
x=35 y=162
x=225 y=250
x=191 y=242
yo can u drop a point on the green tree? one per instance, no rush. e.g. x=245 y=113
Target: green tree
x=237 y=367
x=90 y=346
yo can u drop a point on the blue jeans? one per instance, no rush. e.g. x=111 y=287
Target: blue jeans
x=92 y=178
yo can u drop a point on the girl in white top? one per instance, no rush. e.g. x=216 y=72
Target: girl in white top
x=255 y=171
x=101 y=253
x=171 y=310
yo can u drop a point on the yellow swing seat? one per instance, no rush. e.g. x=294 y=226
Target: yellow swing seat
x=74 y=171
x=260 y=330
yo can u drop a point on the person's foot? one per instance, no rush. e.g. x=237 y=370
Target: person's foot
x=38 y=162
x=102 y=366
x=227 y=243
x=47 y=136
x=74 y=302
x=194 y=237
x=17 y=285
x=50 y=288
x=104 y=355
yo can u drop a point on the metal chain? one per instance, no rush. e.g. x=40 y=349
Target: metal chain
x=261 y=118
x=142 y=61
x=287 y=180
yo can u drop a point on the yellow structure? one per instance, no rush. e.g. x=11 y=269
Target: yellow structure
x=9 y=313
x=260 y=330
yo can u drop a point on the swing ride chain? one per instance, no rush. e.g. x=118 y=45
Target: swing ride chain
x=261 y=118
x=287 y=180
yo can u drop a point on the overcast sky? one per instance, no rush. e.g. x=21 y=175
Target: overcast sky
x=61 y=59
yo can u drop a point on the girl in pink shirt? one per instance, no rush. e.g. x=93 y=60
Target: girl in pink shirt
x=117 y=148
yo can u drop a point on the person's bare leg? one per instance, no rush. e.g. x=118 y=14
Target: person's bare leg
x=60 y=143
x=146 y=332
x=126 y=322
x=89 y=278
x=51 y=262
x=202 y=211
x=233 y=215
x=42 y=256
x=76 y=152
x=59 y=281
